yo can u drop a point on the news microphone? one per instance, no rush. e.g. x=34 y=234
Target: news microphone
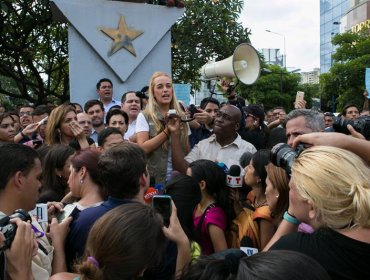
x=246 y=245
x=148 y=196
x=233 y=179
x=224 y=167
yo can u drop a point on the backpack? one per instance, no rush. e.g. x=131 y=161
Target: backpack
x=245 y=227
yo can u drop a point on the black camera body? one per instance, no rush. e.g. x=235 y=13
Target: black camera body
x=283 y=155
x=8 y=229
x=193 y=110
x=361 y=125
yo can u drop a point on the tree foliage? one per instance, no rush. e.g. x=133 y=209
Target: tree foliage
x=275 y=87
x=33 y=52
x=345 y=80
x=34 y=48
x=207 y=30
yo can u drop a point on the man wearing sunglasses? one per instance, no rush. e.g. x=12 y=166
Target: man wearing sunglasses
x=225 y=145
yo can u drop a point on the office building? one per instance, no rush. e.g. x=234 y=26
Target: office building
x=311 y=77
x=331 y=12
x=338 y=16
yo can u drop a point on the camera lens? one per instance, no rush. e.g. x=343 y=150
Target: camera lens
x=283 y=156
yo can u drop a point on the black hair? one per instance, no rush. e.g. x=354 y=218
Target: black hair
x=185 y=193
x=105 y=133
x=40 y=110
x=91 y=103
x=215 y=179
x=114 y=112
x=281 y=265
x=344 y=111
x=123 y=98
x=205 y=101
x=120 y=169
x=13 y=158
x=103 y=80
x=54 y=160
x=260 y=159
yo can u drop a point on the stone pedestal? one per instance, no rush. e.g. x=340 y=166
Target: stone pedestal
x=123 y=41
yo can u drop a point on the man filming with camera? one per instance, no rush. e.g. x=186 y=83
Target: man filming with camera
x=20 y=185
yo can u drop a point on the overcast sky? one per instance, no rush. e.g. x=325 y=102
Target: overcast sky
x=297 y=20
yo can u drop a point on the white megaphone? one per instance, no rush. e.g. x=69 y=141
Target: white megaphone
x=244 y=64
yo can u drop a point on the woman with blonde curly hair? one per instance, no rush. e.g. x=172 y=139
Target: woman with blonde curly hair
x=153 y=135
x=62 y=128
x=330 y=190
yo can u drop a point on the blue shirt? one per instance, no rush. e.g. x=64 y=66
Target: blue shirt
x=81 y=225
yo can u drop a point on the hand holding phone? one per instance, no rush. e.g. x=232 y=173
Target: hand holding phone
x=299 y=103
x=162 y=204
x=68 y=210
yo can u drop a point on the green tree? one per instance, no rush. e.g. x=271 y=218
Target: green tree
x=33 y=52
x=207 y=30
x=275 y=87
x=345 y=81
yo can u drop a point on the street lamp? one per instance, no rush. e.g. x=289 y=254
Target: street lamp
x=284 y=60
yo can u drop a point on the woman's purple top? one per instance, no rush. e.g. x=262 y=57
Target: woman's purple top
x=214 y=216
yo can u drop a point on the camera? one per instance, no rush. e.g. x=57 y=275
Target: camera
x=361 y=125
x=193 y=110
x=8 y=229
x=141 y=94
x=283 y=155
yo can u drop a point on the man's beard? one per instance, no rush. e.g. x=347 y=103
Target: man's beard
x=97 y=122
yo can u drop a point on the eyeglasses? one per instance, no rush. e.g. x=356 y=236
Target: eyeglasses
x=224 y=116
x=21 y=114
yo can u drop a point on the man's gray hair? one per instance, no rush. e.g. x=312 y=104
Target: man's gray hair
x=314 y=120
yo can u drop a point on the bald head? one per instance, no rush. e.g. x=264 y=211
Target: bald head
x=233 y=112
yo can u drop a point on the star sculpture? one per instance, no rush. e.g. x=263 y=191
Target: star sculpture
x=122 y=37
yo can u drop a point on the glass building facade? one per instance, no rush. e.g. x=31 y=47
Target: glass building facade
x=331 y=12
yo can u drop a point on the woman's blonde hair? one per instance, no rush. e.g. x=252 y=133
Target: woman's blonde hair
x=152 y=109
x=52 y=133
x=337 y=182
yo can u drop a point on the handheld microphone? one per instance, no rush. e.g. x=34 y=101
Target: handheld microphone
x=224 y=167
x=246 y=245
x=148 y=196
x=233 y=179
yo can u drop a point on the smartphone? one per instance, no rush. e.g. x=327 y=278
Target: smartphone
x=162 y=204
x=37 y=143
x=69 y=210
x=299 y=96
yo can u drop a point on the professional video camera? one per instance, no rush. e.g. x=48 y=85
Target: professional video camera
x=8 y=229
x=283 y=155
x=361 y=125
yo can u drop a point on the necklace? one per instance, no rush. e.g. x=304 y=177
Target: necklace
x=262 y=203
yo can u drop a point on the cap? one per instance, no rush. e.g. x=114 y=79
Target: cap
x=256 y=111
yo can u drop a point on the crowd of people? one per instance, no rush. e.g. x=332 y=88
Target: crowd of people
x=301 y=210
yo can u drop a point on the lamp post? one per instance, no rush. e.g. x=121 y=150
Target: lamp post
x=284 y=57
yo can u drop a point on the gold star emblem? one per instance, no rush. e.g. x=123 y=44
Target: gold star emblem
x=122 y=37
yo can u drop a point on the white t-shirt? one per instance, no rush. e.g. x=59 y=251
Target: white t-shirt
x=131 y=129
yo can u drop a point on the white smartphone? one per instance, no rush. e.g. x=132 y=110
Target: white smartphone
x=69 y=209
x=299 y=96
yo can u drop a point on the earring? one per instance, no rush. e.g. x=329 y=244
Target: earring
x=277 y=196
x=81 y=181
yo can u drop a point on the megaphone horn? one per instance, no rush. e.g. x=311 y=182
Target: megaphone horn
x=243 y=64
